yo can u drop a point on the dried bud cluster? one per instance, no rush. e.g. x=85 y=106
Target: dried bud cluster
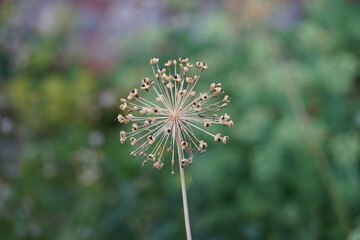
x=168 y=124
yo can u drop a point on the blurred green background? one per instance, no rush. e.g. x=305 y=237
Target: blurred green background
x=291 y=169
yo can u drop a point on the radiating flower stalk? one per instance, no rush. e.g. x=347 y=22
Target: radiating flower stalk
x=169 y=115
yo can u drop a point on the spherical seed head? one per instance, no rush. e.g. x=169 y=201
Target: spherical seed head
x=170 y=115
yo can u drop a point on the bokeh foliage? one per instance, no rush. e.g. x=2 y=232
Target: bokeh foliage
x=291 y=169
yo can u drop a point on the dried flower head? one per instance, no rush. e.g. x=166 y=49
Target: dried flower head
x=172 y=113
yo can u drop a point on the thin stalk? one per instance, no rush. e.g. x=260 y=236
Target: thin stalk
x=183 y=189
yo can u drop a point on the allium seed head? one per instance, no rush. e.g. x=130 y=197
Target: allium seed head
x=170 y=113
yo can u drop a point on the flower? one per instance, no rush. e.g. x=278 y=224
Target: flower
x=171 y=113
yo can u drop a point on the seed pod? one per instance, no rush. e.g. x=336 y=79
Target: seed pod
x=151 y=157
x=183 y=60
x=223 y=105
x=202 y=144
x=133 y=141
x=170 y=85
x=177 y=78
x=168 y=63
x=154 y=61
x=134 y=93
x=158 y=165
x=226 y=99
x=182 y=93
x=207 y=123
x=135 y=127
x=145 y=86
x=189 y=80
x=184 y=145
x=217 y=137
x=230 y=123
x=167 y=131
x=123 y=106
x=186 y=162
x=203 y=96
x=225 y=139
x=226 y=117
x=122 y=139
x=151 y=139
x=129 y=116
x=162 y=71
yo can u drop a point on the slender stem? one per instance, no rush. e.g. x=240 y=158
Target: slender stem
x=185 y=204
x=183 y=189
